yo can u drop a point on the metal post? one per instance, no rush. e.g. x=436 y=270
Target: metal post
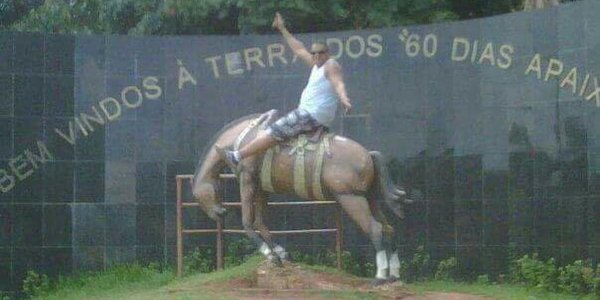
x=220 y=243
x=338 y=235
x=179 y=231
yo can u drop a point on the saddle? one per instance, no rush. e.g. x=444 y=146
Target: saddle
x=317 y=141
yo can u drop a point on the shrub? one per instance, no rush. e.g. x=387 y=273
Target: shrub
x=447 y=269
x=4 y=296
x=418 y=268
x=596 y=284
x=200 y=260
x=535 y=273
x=576 y=278
x=237 y=251
x=35 y=284
x=483 y=279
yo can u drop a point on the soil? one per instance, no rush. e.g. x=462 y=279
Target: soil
x=296 y=282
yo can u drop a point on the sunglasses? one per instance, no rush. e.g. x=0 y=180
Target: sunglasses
x=318 y=52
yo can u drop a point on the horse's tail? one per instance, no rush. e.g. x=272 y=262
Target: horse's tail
x=384 y=189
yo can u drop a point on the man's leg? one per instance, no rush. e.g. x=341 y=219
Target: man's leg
x=258 y=145
x=284 y=128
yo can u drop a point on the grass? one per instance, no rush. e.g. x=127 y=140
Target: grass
x=137 y=283
x=495 y=291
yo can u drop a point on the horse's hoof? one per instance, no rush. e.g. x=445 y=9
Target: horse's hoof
x=275 y=260
x=285 y=257
x=394 y=279
x=378 y=282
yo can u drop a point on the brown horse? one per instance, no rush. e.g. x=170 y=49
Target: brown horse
x=356 y=178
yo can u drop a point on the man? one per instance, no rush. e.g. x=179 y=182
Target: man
x=318 y=103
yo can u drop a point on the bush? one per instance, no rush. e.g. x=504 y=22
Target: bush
x=483 y=279
x=237 y=251
x=418 y=268
x=596 y=285
x=200 y=260
x=4 y=296
x=447 y=269
x=577 y=278
x=35 y=284
x=535 y=273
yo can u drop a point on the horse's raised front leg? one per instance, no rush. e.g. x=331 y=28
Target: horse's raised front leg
x=358 y=209
x=247 y=195
x=260 y=213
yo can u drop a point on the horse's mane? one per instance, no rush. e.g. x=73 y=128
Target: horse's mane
x=214 y=138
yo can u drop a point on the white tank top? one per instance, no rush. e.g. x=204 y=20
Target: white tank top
x=319 y=98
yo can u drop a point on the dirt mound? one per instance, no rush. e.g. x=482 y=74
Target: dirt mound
x=297 y=282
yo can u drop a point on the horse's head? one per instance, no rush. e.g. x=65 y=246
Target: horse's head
x=206 y=194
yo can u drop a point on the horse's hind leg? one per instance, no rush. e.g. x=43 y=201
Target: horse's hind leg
x=358 y=209
x=247 y=194
x=391 y=242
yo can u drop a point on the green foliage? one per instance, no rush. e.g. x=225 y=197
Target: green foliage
x=577 y=278
x=533 y=272
x=83 y=285
x=483 y=279
x=35 y=284
x=145 y=17
x=447 y=269
x=419 y=267
x=200 y=260
x=4 y=296
x=238 y=250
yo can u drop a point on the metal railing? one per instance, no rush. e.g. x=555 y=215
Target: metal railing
x=220 y=230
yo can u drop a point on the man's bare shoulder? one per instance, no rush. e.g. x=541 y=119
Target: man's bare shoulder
x=332 y=64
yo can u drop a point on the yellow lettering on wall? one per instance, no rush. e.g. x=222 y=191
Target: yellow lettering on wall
x=71 y=138
x=18 y=164
x=87 y=118
x=233 y=63
x=43 y=157
x=81 y=127
x=339 y=46
x=110 y=115
x=506 y=52
x=488 y=54
x=7 y=181
x=595 y=94
x=535 y=65
x=374 y=45
x=136 y=91
x=151 y=83
x=555 y=68
x=253 y=55
x=460 y=49
x=570 y=79
x=358 y=40
x=213 y=63
x=276 y=51
x=185 y=76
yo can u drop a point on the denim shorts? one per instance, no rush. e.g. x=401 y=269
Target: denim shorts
x=291 y=125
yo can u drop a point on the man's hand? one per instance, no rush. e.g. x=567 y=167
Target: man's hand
x=278 y=21
x=347 y=105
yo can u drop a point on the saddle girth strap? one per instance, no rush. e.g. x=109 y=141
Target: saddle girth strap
x=266 y=169
x=299 y=173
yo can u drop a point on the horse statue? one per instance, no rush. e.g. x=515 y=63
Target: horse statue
x=335 y=167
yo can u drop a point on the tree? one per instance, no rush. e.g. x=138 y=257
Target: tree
x=13 y=10
x=144 y=17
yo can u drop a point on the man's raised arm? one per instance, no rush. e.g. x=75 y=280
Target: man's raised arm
x=296 y=45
